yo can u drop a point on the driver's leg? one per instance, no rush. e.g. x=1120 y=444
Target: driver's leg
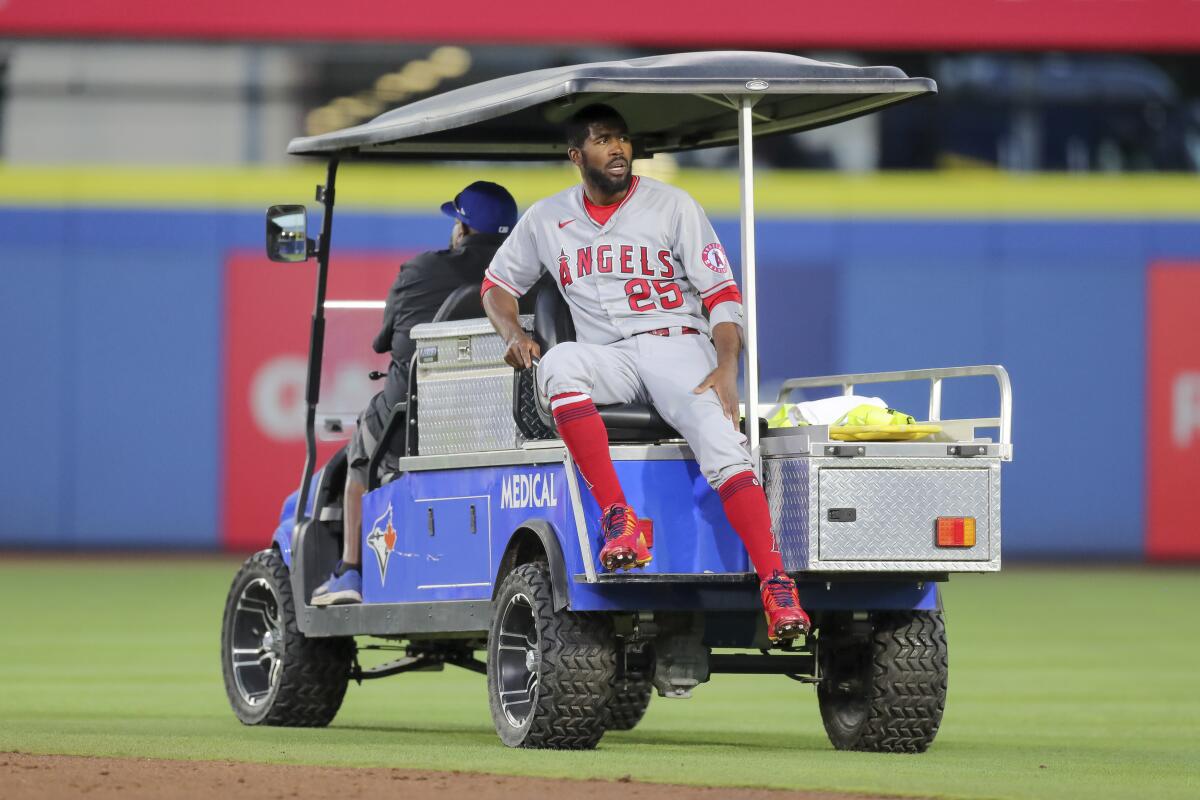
x=344 y=585
x=352 y=520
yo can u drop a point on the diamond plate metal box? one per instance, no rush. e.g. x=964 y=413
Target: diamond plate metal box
x=464 y=389
x=879 y=514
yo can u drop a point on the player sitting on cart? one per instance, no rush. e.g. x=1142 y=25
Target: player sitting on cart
x=638 y=264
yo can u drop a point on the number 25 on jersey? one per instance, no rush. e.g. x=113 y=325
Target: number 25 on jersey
x=647 y=295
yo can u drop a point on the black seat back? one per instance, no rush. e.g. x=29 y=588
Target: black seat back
x=551 y=318
x=463 y=303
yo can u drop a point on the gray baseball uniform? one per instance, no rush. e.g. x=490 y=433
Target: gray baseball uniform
x=655 y=265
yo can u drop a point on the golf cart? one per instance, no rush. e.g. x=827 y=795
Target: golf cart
x=478 y=534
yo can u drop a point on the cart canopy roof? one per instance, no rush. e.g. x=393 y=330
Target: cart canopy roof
x=673 y=102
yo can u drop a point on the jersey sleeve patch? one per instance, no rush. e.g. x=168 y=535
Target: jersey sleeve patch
x=713 y=256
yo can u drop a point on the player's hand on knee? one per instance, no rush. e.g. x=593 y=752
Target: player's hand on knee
x=723 y=381
x=521 y=352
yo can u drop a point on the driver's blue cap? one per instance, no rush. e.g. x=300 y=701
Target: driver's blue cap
x=484 y=207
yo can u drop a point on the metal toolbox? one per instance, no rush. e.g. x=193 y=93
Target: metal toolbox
x=464 y=388
x=874 y=506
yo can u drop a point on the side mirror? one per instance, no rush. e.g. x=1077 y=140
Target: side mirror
x=287 y=234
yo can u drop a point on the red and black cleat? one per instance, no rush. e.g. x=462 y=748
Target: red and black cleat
x=627 y=539
x=785 y=618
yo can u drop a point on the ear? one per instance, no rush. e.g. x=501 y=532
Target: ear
x=576 y=155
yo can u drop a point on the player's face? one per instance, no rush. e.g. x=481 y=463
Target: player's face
x=605 y=160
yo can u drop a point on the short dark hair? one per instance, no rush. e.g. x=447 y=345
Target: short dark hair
x=580 y=124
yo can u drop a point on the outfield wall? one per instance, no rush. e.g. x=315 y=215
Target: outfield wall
x=135 y=417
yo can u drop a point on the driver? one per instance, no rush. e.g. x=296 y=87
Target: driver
x=658 y=318
x=483 y=214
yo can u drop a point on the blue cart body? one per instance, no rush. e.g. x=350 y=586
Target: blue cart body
x=441 y=534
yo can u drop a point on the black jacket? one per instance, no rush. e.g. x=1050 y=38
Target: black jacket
x=419 y=291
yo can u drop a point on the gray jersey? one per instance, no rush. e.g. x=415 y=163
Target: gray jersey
x=656 y=263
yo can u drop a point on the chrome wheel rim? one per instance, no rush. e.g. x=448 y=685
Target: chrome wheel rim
x=256 y=642
x=518 y=660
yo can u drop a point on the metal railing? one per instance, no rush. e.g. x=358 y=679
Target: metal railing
x=935 y=378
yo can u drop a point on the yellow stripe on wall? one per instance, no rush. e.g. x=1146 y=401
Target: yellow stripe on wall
x=779 y=193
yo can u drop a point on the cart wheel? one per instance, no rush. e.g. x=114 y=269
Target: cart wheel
x=631 y=698
x=550 y=674
x=633 y=690
x=883 y=690
x=274 y=675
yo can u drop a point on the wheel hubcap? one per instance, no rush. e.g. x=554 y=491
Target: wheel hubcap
x=256 y=642
x=518 y=660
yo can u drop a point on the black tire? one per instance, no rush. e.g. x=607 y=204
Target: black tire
x=550 y=675
x=274 y=675
x=631 y=698
x=883 y=690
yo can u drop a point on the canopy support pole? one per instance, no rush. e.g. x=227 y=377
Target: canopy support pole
x=316 y=342
x=749 y=287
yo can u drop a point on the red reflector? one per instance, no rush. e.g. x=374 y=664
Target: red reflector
x=955 y=531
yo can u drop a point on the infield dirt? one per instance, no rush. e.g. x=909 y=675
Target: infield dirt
x=32 y=777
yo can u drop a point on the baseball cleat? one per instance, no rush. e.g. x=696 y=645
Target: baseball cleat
x=627 y=539
x=785 y=618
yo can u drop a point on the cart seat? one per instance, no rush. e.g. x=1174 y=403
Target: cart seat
x=463 y=303
x=466 y=303
x=626 y=422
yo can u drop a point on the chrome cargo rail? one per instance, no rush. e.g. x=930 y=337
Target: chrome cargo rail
x=935 y=378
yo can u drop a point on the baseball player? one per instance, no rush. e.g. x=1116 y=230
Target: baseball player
x=657 y=318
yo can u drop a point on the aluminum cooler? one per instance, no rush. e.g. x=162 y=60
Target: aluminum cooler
x=847 y=506
x=464 y=388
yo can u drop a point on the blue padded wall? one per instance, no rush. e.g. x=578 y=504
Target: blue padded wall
x=111 y=322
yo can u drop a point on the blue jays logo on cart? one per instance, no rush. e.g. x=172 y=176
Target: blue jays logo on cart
x=529 y=490
x=382 y=541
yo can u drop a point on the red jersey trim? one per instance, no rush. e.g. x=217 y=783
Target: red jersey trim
x=632 y=188
x=718 y=287
x=599 y=214
x=612 y=209
x=729 y=295
x=490 y=281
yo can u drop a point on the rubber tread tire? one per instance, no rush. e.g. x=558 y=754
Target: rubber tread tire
x=631 y=698
x=315 y=672
x=902 y=676
x=575 y=675
x=525 y=407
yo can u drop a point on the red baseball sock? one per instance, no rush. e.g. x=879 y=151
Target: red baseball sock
x=583 y=431
x=746 y=506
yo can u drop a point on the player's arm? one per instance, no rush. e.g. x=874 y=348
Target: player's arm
x=383 y=340
x=709 y=271
x=727 y=339
x=706 y=264
x=501 y=308
x=514 y=269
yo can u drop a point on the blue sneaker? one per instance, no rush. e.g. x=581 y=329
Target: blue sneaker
x=339 y=589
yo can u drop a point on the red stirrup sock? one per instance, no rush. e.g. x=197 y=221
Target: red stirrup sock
x=583 y=431
x=746 y=506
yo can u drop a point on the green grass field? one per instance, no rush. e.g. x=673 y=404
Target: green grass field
x=1063 y=683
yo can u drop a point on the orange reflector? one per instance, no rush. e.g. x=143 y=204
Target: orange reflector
x=955 y=531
